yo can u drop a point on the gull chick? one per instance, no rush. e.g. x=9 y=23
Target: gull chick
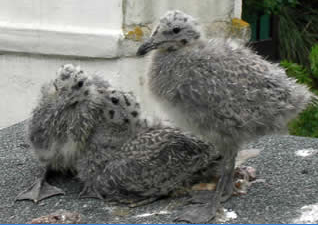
x=218 y=89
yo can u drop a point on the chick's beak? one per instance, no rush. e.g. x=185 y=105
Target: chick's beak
x=147 y=47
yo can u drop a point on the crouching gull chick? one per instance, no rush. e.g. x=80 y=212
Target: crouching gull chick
x=153 y=163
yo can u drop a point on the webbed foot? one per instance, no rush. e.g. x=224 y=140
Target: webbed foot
x=90 y=191
x=39 y=190
x=201 y=208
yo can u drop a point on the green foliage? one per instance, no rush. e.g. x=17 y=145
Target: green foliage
x=297 y=33
x=298 y=30
x=313 y=58
x=298 y=72
x=266 y=6
x=306 y=124
x=276 y=6
x=298 y=47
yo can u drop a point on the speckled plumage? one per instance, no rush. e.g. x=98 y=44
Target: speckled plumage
x=221 y=88
x=121 y=124
x=82 y=123
x=71 y=108
x=152 y=164
x=142 y=160
x=217 y=88
x=73 y=111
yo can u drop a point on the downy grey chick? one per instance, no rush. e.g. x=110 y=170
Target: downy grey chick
x=69 y=110
x=120 y=123
x=125 y=157
x=139 y=169
x=218 y=89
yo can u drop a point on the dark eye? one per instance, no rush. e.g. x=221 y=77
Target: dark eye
x=134 y=114
x=176 y=30
x=115 y=100
x=80 y=84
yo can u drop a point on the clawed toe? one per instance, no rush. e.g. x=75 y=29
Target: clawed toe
x=38 y=191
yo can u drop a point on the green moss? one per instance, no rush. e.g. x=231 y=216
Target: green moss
x=136 y=34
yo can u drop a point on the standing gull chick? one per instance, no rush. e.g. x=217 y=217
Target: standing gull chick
x=218 y=89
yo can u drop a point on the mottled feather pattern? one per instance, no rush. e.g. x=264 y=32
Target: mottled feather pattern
x=218 y=89
x=154 y=163
x=70 y=109
x=226 y=89
x=84 y=124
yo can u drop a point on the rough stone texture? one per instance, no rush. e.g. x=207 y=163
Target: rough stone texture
x=291 y=182
x=222 y=28
x=148 y=11
x=235 y=28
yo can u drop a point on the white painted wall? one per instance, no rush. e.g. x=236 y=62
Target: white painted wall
x=90 y=14
x=152 y=10
x=64 y=27
x=38 y=36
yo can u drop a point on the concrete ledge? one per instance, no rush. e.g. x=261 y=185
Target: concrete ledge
x=54 y=40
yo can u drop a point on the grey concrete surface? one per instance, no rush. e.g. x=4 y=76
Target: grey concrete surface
x=291 y=182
